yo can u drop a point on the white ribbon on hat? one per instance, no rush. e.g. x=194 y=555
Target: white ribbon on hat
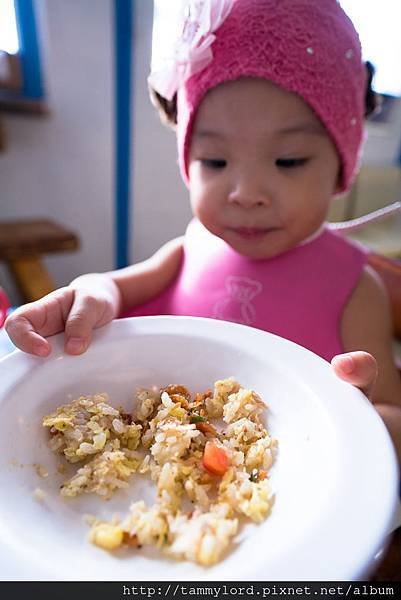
x=192 y=52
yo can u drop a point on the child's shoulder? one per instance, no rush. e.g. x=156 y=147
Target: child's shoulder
x=367 y=325
x=370 y=293
x=367 y=314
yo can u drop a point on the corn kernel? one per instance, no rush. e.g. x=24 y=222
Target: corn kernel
x=106 y=536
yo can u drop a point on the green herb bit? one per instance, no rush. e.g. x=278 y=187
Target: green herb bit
x=198 y=419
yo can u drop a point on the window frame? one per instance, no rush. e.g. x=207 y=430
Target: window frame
x=23 y=89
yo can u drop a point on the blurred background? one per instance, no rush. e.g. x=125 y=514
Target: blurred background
x=88 y=175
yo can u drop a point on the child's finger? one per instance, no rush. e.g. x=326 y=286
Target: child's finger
x=358 y=368
x=21 y=332
x=81 y=321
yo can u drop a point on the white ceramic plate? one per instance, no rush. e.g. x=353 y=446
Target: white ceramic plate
x=335 y=477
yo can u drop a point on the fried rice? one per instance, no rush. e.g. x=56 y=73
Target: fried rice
x=166 y=438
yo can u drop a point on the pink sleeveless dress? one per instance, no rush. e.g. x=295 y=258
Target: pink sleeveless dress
x=299 y=295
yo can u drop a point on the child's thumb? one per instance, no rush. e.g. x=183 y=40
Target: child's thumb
x=358 y=368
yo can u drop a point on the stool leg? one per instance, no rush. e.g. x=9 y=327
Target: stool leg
x=31 y=277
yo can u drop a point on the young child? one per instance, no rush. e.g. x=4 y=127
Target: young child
x=268 y=99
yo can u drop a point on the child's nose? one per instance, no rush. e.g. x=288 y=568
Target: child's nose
x=249 y=193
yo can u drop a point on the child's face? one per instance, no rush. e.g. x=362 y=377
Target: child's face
x=262 y=168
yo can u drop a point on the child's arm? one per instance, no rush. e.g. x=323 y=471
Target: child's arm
x=145 y=280
x=366 y=325
x=91 y=301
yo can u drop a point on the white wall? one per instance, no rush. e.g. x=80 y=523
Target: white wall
x=61 y=166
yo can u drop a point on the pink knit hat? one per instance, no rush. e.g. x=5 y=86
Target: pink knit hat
x=309 y=47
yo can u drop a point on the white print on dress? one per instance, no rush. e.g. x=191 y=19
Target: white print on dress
x=236 y=304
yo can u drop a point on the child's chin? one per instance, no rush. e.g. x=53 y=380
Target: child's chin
x=256 y=251
x=257 y=248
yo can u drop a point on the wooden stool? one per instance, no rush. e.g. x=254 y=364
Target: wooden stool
x=22 y=246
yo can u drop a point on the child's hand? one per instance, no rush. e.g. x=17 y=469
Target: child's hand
x=357 y=368
x=77 y=311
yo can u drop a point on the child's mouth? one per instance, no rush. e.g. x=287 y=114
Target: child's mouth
x=251 y=233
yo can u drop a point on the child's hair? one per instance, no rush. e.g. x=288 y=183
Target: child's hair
x=373 y=100
x=308 y=47
x=167 y=109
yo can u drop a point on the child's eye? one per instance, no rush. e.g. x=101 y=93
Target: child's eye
x=290 y=163
x=213 y=163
